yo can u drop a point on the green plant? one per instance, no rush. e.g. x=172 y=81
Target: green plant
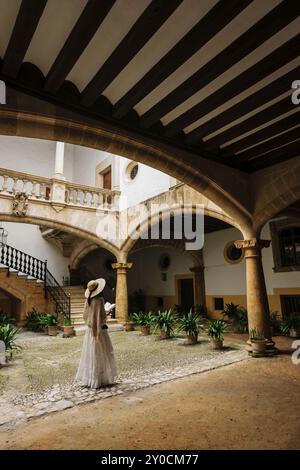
x=231 y=311
x=275 y=321
x=256 y=335
x=68 y=322
x=8 y=335
x=52 y=319
x=143 y=318
x=200 y=309
x=189 y=323
x=5 y=318
x=164 y=321
x=289 y=323
x=238 y=316
x=35 y=320
x=131 y=318
x=216 y=329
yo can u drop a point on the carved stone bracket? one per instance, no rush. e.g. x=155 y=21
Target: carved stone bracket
x=20 y=204
x=122 y=267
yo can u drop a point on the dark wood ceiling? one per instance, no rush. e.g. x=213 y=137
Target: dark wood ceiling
x=209 y=76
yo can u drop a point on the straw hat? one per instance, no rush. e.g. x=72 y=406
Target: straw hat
x=94 y=287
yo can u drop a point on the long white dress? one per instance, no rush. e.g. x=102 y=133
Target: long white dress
x=97 y=366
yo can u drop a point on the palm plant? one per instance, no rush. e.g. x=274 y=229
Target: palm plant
x=5 y=318
x=291 y=324
x=190 y=324
x=52 y=319
x=36 y=321
x=142 y=318
x=8 y=335
x=216 y=329
x=164 y=321
x=256 y=335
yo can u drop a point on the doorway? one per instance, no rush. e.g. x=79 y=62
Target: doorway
x=186 y=293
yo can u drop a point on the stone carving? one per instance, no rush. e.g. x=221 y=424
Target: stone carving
x=20 y=204
x=252 y=243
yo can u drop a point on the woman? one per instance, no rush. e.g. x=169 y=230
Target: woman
x=97 y=366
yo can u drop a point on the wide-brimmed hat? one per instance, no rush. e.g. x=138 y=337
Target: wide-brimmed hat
x=94 y=287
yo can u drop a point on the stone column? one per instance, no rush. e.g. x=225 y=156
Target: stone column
x=121 y=291
x=199 y=284
x=257 y=298
x=59 y=160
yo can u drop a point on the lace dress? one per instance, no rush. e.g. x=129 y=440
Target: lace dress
x=97 y=366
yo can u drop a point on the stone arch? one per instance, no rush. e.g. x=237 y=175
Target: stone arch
x=129 y=243
x=214 y=181
x=83 y=249
x=62 y=226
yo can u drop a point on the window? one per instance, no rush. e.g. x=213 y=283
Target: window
x=289 y=240
x=164 y=261
x=285 y=234
x=218 y=303
x=106 y=178
x=131 y=171
x=232 y=254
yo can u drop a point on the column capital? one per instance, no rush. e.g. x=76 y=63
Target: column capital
x=252 y=243
x=122 y=266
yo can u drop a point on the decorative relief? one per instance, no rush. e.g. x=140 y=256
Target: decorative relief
x=20 y=204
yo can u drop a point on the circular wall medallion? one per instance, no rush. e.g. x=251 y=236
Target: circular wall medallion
x=232 y=254
x=164 y=261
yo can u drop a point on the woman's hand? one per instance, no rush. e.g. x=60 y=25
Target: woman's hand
x=104 y=327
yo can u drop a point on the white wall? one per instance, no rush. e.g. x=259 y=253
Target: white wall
x=28 y=238
x=146 y=272
x=148 y=183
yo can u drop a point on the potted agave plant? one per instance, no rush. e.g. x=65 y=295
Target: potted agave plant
x=190 y=324
x=52 y=323
x=258 y=342
x=215 y=331
x=291 y=325
x=144 y=320
x=164 y=321
x=68 y=327
x=129 y=324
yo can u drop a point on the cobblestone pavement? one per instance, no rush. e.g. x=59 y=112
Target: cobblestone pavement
x=15 y=410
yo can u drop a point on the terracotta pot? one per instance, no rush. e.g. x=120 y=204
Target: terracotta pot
x=145 y=330
x=192 y=339
x=216 y=343
x=129 y=326
x=52 y=330
x=295 y=332
x=258 y=346
x=69 y=330
x=164 y=335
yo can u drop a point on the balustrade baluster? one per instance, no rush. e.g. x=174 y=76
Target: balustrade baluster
x=14 y=188
x=78 y=196
x=84 y=201
x=5 y=183
x=42 y=191
x=92 y=199
x=33 y=189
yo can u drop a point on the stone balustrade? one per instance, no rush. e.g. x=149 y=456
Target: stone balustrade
x=40 y=188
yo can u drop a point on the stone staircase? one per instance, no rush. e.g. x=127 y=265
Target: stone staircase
x=77 y=305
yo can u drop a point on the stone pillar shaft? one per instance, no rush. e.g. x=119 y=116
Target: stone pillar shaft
x=121 y=291
x=257 y=298
x=59 y=159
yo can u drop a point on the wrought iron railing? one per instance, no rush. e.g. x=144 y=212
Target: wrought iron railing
x=57 y=294
x=26 y=264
